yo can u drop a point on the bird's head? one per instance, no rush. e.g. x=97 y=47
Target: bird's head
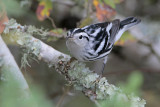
x=77 y=36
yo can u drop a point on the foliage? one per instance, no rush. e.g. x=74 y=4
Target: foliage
x=86 y=21
x=44 y=9
x=103 y=11
x=133 y=83
x=112 y=3
x=131 y=86
x=12 y=96
x=3 y=19
x=13 y=7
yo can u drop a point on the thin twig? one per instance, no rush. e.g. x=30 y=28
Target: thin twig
x=151 y=48
x=63 y=96
x=88 y=7
x=52 y=21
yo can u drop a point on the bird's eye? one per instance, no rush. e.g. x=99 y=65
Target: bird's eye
x=80 y=37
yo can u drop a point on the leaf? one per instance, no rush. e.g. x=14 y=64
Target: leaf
x=3 y=19
x=13 y=8
x=44 y=9
x=110 y=3
x=118 y=1
x=133 y=84
x=103 y=11
x=57 y=32
x=125 y=38
x=86 y=21
x=14 y=95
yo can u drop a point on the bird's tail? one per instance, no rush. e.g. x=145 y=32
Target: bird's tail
x=125 y=25
x=129 y=22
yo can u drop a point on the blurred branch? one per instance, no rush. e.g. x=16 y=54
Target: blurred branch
x=9 y=65
x=151 y=48
x=76 y=73
x=137 y=33
x=88 y=7
x=65 y=92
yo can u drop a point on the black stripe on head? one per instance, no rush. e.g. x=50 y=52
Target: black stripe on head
x=86 y=38
x=71 y=31
x=75 y=30
x=78 y=30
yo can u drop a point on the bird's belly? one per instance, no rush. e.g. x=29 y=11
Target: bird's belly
x=78 y=55
x=76 y=52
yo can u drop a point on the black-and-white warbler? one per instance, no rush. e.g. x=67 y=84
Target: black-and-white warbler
x=96 y=41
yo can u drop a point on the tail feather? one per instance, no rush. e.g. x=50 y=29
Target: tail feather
x=126 y=24
x=129 y=22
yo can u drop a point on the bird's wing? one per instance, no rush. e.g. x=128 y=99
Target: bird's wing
x=102 y=34
x=114 y=30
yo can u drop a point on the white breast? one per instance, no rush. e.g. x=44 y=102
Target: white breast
x=75 y=50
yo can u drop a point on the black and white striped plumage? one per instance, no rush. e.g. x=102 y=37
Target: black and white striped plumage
x=96 y=41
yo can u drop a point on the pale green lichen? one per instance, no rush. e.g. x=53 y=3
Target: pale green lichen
x=12 y=24
x=17 y=33
x=36 y=31
x=86 y=79
x=89 y=80
x=76 y=72
x=136 y=101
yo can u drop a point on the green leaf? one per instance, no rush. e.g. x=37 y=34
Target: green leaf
x=12 y=95
x=110 y=3
x=85 y=21
x=117 y=1
x=57 y=31
x=13 y=8
x=133 y=84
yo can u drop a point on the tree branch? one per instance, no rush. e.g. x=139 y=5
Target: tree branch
x=76 y=73
x=8 y=65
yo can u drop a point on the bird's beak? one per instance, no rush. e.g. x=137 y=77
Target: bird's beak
x=69 y=37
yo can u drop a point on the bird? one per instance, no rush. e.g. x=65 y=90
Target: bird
x=95 y=41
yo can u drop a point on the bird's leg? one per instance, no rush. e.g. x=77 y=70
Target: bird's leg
x=99 y=66
x=101 y=70
x=103 y=65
